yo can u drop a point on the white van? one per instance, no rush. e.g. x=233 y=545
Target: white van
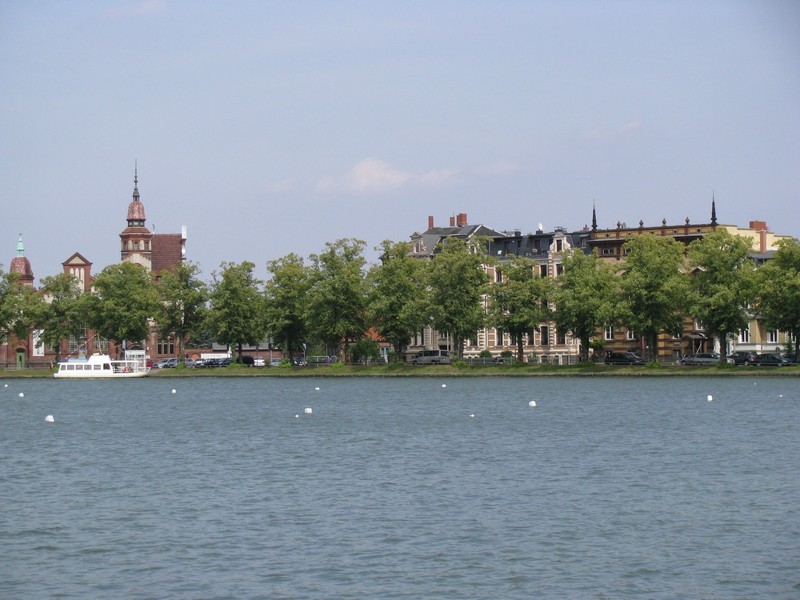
x=431 y=357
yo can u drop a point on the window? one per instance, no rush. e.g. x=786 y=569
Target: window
x=498 y=276
x=744 y=335
x=544 y=332
x=100 y=344
x=166 y=347
x=559 y=245
x=76 y=342
x=630 y=334
x=772 y=337
x=608 y=251
x=559 y=270
x=609 y=333
x=561 y=338
x=542 y=270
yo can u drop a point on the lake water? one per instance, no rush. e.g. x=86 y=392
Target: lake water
x=608 y=488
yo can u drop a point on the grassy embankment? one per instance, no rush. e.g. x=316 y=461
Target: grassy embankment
x=407 y=370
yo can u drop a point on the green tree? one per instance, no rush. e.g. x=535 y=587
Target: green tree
x=721 y=284
x=584 y=296
x=19 y=307
x=183 y=303
x=652 y=288
x=397 y=295
x=286 y=292
x=519 y=302
x=778 y=297
x=457 y=282
x=124 y=301
x=236 y=315
x=62 y=313
x=336 y=307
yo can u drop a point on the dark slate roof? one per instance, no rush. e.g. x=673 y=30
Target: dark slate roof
x=435 y=235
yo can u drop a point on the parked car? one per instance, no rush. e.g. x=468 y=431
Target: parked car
x=703 y=358
x=771 y=360
x=743 y=357
x=791 y=357
x=431 y=357
x=167 y=363
x=623 y=358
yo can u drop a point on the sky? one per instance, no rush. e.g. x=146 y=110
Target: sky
x=274 y=127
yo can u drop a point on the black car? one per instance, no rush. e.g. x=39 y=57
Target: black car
x=744 y=357
x=791 y=357
x=623 y=358
x=771 y=360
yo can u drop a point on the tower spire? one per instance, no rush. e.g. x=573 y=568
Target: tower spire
x=20 y=247
x=713 y=210
x=594 y=218
x=136 y=180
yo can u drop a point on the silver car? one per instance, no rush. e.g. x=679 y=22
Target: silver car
x=703 y=358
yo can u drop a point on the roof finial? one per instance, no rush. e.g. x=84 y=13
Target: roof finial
x=594 y=217
x=713 y=209
x=136 y=180
x=20 y=247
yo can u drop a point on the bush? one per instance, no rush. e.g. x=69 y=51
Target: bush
x=365 y=351
x=485 y=354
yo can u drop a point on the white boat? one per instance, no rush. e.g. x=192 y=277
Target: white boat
x=101 y=366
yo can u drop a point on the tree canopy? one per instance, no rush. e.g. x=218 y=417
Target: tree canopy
x=286 y=292
x=397 y=294
x=721 y=284
x=124 y=301
x=519 y=301
x=457 y=283
x=584 y=296
x=778 y=295
x=652 y=288
x=236 y=315
x=183 y=303
x=336 y=306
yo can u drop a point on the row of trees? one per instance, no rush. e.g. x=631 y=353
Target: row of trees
x=336 y=301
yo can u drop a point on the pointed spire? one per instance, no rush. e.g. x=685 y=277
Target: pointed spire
x=136 y=180
x=713 y=210
x=20 y=247
x=594 y=217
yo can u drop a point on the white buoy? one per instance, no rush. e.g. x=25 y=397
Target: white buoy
x=297 y=416
x=308 y=411
x=710 y=397
x=316 y=388
x=532 y=403
x=472 y=415
x=21 y=395
x=174 y=391
x=444 y=385
x=50 y=419
x=6 y=385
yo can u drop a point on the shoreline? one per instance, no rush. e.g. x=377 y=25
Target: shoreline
x=409 y=371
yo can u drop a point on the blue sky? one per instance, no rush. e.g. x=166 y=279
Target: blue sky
x=274 y=127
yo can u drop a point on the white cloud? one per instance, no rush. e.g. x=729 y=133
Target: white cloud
x=373 y=176
x=601 y=134
x=138 y=9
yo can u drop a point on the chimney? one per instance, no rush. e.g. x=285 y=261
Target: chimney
x=452 y=221
x=461 y=219
x=430 y=221
x=763 y=239
x=758 y=225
